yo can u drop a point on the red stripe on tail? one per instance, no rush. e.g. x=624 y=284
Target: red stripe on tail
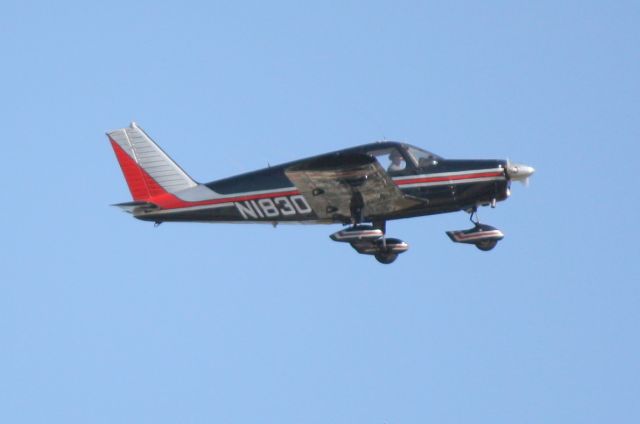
x=141 y=185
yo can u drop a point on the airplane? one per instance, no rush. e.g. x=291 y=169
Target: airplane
x=360 y=187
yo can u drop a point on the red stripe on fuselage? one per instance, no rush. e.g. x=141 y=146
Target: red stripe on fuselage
x=170 y=201
x=241 y=198
x=450 y=178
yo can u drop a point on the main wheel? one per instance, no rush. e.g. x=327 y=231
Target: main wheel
x=386 y=258
x=486 y=245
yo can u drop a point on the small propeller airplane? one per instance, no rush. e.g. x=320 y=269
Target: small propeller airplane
x=361 y=187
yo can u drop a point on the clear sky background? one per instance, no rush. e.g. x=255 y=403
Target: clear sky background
x=105 y=319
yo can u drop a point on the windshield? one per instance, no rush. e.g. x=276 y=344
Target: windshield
x=422 y=157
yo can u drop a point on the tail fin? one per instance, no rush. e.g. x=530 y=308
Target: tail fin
x=148 y=170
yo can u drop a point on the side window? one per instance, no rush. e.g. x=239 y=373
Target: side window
x=391 y=160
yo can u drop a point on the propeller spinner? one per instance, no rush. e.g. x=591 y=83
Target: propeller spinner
x=519 y=172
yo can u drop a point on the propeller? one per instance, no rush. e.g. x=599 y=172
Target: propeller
x=519 y=172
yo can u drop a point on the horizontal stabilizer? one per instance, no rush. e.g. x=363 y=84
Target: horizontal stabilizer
x=134 y=207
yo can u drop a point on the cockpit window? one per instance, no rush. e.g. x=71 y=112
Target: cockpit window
x=421 y=157
x=390 y=159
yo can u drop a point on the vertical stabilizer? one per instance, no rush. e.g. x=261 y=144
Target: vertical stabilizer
x=148 y=170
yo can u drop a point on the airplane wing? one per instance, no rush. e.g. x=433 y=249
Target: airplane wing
x=348 y=185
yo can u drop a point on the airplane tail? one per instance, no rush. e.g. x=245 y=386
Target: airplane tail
x=147 y=169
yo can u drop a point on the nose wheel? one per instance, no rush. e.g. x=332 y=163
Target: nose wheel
x=486 y=244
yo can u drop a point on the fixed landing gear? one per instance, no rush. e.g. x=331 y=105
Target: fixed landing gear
x=484 y=237
x=371 y=240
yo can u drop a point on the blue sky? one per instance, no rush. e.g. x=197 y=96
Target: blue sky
x=106 y=319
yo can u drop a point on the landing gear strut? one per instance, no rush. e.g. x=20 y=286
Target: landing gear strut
x=473 y=216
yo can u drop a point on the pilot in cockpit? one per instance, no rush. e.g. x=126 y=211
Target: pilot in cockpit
x=397 y=162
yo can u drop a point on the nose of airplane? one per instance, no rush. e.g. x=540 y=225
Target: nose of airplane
x=519 y=172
